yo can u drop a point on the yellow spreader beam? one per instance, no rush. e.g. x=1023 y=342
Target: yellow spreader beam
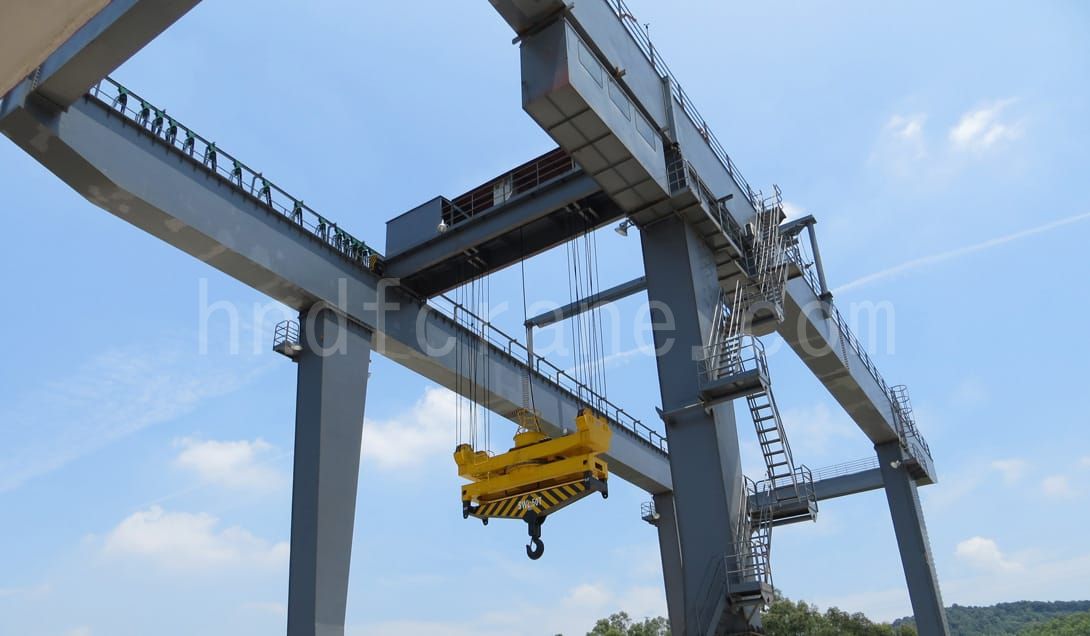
x=540 y=475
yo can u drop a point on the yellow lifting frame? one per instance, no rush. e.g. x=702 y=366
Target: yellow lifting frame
x=536 y=461
x=538 y=476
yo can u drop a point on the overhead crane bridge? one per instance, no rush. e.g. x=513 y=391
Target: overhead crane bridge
x=633 y=149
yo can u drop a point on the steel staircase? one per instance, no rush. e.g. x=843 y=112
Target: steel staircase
x=775 y=449
x=740 y=582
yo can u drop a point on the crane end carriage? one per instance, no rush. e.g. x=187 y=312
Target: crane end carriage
x=538 y=476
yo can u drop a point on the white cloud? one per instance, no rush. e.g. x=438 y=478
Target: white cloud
x=903 y=139
x=1057 y=486
x=241 y=464
x=1062 y=578
x=983 y=128
x=1011 y=469
x=425 y=431
x=985 y=554
x=83 y=630
x=114 y=395
x=187 y=541
x=1084 y=462
x=588 y=595
x=565 y=612
x=907 y=127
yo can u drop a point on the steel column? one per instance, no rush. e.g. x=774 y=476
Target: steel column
x=912 y=541
x=332 y=385
x=704 y=456
x=670 y=550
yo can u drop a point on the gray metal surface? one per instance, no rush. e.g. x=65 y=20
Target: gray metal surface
x=604 y=297
x=112 y=36
x=430 y=262
x=129 y=172
x=704 y=462
x=563 y=94
x=670 y=554
x=912 y=541
x=330 y=398
x=786 y=508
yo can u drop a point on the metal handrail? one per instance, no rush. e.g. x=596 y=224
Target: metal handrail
x=155 y=121
x=647 y=510
x=286 y=331
x=547 y=370
x=801 y=478
x=843 y=330
x=903 y=408
x=846 y=468
x=643 y=41
x=740 y=353
x=510 y=184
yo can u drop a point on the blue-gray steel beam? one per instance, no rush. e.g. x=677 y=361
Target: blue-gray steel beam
x=912 y=541
x=129 y=172
x=704 y=458
x=101 y=45
x=824 y=489
x=526 y=224
x=670 y=553
x=590 y=84
x=604 y=297
x=332 y=389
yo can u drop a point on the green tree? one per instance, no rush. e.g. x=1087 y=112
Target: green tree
x=621 y=624
x=788 y=618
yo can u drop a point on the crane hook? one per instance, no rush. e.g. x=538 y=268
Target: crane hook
x=535 y=549
x=533 y=525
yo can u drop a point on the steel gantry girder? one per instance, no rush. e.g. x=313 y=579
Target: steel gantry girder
x=593 y=81
x=137 y=175
x=73 y=137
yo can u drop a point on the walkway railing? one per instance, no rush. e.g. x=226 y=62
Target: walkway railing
x=632 y=25
x=849 y=339
x=561 y=378
x=155 y=121
x=510 y=184
x=846 y=468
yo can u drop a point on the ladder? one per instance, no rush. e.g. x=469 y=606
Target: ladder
x=779 y=463
x=769 y=260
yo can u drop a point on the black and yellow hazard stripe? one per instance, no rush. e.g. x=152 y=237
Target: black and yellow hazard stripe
x=539 y=501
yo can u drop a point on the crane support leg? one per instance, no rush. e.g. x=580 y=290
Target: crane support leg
x=333 y=370
x=704 y=457
x=912 y=541
x=670 y=551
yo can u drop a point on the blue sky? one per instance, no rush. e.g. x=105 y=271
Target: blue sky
x=145 y=479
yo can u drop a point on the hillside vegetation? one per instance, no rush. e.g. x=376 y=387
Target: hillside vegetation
x=1006 y=619
x=797 y=618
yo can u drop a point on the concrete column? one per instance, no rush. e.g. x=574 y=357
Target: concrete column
x=332 y=385
x=912 y=542
x=670 y=549
x=704 y=456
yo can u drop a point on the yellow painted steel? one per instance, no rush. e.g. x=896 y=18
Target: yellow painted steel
x=535 y=468
x=540 y=502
